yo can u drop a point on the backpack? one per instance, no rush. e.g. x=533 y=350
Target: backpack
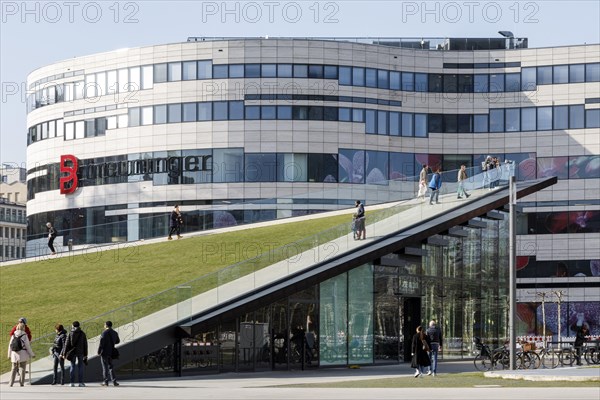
x=17 y=343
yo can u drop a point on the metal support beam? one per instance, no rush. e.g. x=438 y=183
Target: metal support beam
x=512 y=267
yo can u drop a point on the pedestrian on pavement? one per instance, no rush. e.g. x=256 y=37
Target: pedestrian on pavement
x=423 y=182
x=435 y=337
x=52 y=234
x=76 y=351
x=176 y=222
x=580 y=338
x=462 y=177
x=19 y=352
x=435 y=185
x=420 y=352
x=56 y=351
x=106 y=350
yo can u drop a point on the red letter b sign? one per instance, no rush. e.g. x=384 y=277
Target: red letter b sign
x=68 y=182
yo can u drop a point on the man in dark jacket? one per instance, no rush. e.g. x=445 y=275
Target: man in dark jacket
x=176 y=222
x=435 y=335
x=76 y=351
x=580 y=339
x=108 y=339
x=56 y=350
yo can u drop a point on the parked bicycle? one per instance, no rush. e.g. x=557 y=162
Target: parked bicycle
x=489 y=358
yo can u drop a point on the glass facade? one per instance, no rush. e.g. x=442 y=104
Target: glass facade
x=364 y=316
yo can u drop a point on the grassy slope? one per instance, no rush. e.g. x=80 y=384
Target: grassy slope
x=78 y=288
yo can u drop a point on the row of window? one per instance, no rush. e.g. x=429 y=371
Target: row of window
x=546 y=223
x=529 y=267
x=13 y=233
x=12 y=215
x=392 y=123
x=348 y=166
x=143 y=77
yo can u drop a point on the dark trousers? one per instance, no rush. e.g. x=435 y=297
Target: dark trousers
x=51 y=244
x=58 y=361
x=175 y=229
x=107 y=369
x=79 y=359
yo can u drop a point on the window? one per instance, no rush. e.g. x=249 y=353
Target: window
x=300 y=112
x=322 y=167
x=345 y=114
x=408 y=81
x=528 y=119
x=90 y=128
x=60 y=127
x=204 y=69
x=268 y=70
x=260 y=167
x=561 y=74
x=220 y=71
x=435 y=123
x=268 y=112
x=345 y=76
x=315 y=71
x=513 y=119
x=220 y=111
x=123 y=121
x=421 y=82
x=284 y=70
x=496 y=83
x=252 y=112
x=236 y=70
x=576 y=117
x=292 y=167
x=394 y=123
x=370 y=122
x=450 y=83
x=407 y=124
x=330 y=72
x=560 y=116
x=544 y=118
x=383 y=79
x=315 y=113
x=69 y=131
x=351 y=166
x=544 y=75
x=382 y=126
x=112 y=84
x=421 y=125
x=236 y=110
x=481 y=84
x=528 y=79
x=497 y=120
x=228 y=165
x=513 y=82
x=189 y=71
x=80 y=129
x=465 y=83
x=592 y=118
x=377 y=167
x=358 y=115
x=189 y=112
x=160 y=114
x=576 y=73
x=435 y=83
x=174 y=113
x=90 y=87
x=395 y=81
x=204 y=111
x=480 y=123
x=147 y=77
x=147 y=117
x=252 y=71
x=465 y=123
x=284 y=112
x=450 y=123
x=300 y=70
x=101 y=83
x=592 y=72
x=358 y=76
x=174 y=72
x=134 y=116
x=371 y=77
x=135 y=79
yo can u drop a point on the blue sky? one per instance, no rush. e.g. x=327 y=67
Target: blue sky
x=37 y=33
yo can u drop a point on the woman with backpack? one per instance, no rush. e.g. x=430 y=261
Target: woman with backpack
x=19 y=352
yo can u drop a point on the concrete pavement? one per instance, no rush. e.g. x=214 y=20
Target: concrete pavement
x=267 y=385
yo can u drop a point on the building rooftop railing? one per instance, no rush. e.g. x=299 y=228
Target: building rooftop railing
x=418 y=43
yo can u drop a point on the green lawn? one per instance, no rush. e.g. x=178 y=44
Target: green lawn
x=78 y=288
x=458 y=380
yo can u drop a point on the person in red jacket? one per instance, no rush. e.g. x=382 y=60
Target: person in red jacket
x=27 y=331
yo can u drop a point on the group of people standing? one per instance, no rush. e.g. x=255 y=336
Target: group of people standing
x=424 y=350
x=435 y=184
x=71 y=346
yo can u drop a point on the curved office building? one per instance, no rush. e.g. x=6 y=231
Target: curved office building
x=243 y=130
